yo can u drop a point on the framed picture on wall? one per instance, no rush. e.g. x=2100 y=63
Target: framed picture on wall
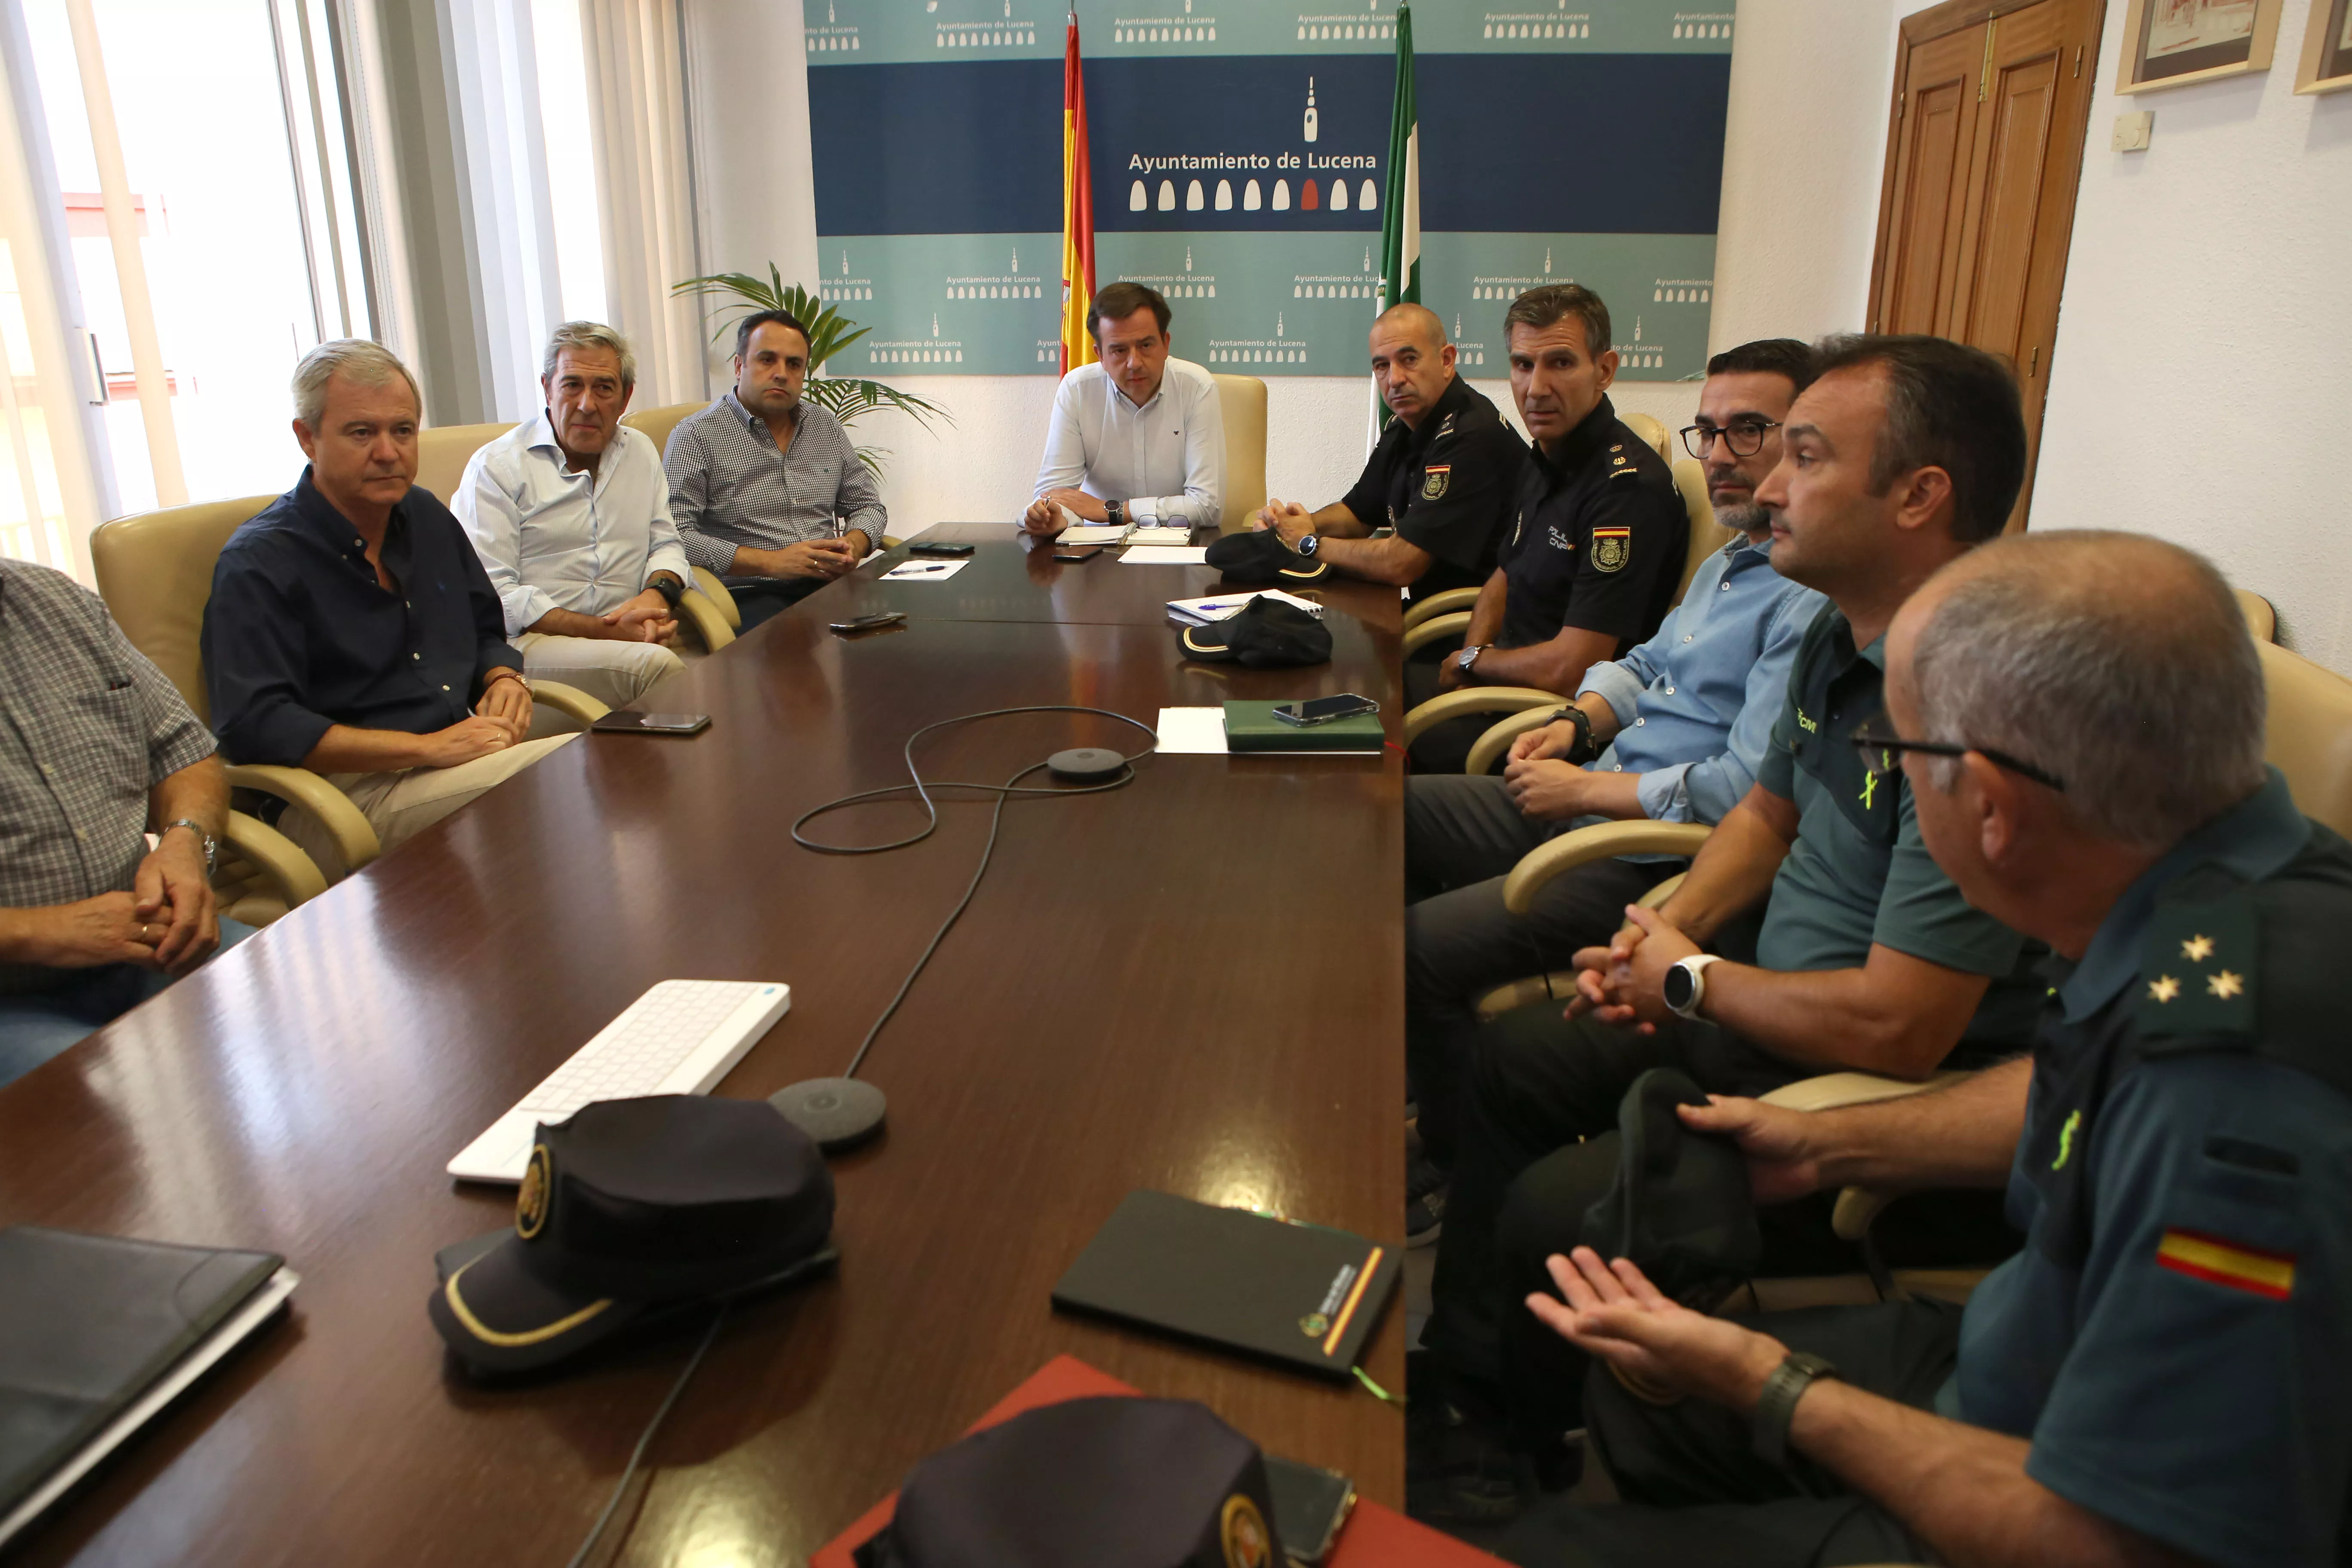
x=2326 y=49
x=2169 y=43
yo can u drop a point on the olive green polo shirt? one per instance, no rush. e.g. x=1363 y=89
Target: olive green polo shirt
x=1859 y=873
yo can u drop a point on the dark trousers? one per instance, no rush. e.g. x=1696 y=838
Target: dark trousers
x=1462 y=837
x=758 y=599
x=1695 y=1491
x=1538 y=1086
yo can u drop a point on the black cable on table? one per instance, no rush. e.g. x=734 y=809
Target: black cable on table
x=646 y=1438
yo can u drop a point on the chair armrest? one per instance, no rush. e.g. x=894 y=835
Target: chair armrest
x=1856 y=1207
x=1475 y=699
x=716 y=591
x=888 y=542
x=293 y=874
x=1496 y=742
x=1437 y=629
x=355 y=840
x=1601 y=841
x=708 y=622
x=1445 y=603
x=568 y=699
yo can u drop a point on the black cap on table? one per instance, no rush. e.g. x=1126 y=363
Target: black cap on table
x=1260 y=558
x=1264 y=634
x=1093 y=1483
x=630 y=1207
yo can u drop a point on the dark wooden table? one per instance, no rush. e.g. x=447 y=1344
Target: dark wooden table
x=1011 y=579
x=1193 y=984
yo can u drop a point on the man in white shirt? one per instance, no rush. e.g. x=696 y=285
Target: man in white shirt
x=570 y=513
x=1137 y=437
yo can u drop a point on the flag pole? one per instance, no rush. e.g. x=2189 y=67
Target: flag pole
x=1078 y=211
x=1401 y=209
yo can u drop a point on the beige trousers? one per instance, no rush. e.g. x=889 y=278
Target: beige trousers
x=403 y=803
x=614 y=673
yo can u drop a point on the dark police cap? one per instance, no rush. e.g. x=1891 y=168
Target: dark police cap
x=1260 y=558
x=1091 y=1483
x=1264 y=634
x=629 y=1208
x=1680 y=1206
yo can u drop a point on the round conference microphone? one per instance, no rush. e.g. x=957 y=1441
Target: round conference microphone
x=840 y=1113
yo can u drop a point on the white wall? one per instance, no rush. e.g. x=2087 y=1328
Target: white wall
x=2201 y=385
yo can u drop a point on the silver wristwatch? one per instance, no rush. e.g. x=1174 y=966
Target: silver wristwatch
x=212 y=844
x=1686 y=984
x=1308 y=545
x=1467 y=659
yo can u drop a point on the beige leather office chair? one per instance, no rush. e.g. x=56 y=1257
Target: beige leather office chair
x=1242 y=400
x=1650 y=430
x=155 y=573
x=2261 y=619
x=444 y=450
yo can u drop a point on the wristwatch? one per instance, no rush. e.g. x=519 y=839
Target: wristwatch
x=1467 y=659
x=1117 y=511
x=1308 y=545
x=1582 y=750
x=1686 y=984
x=1776 y=1406
x=212 y=846
x=669 y=588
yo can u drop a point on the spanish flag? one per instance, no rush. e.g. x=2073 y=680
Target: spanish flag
x=1077 y=212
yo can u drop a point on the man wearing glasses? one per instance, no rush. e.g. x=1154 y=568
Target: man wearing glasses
x=1672 y=732
x=1903 y=454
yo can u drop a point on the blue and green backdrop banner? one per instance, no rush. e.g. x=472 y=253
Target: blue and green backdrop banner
x=1238 y=163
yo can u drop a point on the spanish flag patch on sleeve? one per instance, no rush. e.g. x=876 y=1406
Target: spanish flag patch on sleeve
x=2209 y=1257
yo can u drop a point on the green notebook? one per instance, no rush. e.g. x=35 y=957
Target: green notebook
x=1252 y=727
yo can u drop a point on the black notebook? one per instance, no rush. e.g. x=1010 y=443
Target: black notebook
x=1303 y=1295
x=90 y=1327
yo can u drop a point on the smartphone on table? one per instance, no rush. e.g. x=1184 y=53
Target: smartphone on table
x=869 y=623
x=1310 y=1504
x=922 y=547
x=628 y=724
x=1324 y=710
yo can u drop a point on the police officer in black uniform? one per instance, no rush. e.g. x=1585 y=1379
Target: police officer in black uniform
x=1442 y=474
x=2159 y=1376
x=1597 y=534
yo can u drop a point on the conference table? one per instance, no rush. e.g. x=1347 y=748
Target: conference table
x=1193 y=984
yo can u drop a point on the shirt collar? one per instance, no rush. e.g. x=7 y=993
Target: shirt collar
x=1449 y=403
x=1580 y=443
x=334 y=528
x=543 y=436
x=2250 y=840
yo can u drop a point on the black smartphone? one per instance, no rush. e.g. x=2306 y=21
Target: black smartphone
x=626 y=723
x=921 y=548
x=1323 y=709
x=1077 y=553
x=1309 y=1507
x=868 y=623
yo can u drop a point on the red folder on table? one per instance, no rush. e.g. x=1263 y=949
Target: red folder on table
x=1374 y=1537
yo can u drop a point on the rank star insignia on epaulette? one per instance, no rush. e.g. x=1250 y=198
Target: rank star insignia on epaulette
x=2224 y=984
x=2202 y=962
x=2198 y=948
x=2163 y=988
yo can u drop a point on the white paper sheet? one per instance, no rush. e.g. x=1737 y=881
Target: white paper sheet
x=1167 y=555
x=923 y=571
x=1200 y=731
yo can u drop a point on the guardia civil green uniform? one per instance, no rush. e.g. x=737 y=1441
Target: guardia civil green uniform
x=2175 y=1339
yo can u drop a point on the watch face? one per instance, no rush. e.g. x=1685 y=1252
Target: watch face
x=1678 y=987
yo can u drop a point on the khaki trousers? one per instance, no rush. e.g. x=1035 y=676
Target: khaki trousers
x=401 y=803
x=614 y=673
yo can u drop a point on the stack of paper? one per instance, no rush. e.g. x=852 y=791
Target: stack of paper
x=1091 y=533
x=1201 y=612
x=1172 y=536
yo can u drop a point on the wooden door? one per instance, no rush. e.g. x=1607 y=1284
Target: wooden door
x=1984 y=151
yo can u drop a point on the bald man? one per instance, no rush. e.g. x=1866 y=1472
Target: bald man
x=2143 y=1383
x=1442 y=474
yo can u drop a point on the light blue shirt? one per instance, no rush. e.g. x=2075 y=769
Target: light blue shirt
x=1695 y=703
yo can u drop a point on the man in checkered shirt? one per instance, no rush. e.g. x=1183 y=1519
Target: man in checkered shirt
x=97 y=750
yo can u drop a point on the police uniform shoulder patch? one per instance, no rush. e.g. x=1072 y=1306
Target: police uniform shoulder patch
x=1445 y=430
x=2199 y=965
x=1434 y=478
x=1612 y=548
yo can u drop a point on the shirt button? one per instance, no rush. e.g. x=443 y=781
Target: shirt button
x=1727 y=588
x=1686 y=639
x=416 y=656
x=1639 y=722
x=1670 y=691
x=445 y=689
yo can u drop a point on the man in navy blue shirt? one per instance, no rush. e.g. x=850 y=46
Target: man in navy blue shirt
x=2159 y=1376
x=352 y=629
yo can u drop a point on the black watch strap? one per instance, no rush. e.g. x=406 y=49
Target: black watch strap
x=1776 y=1407
x=669 y=588
x=1583 y=750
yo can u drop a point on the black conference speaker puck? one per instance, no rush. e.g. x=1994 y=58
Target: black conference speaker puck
x=1085 y=765
x=837 y=1113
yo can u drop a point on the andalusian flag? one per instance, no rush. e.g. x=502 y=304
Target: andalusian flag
x=1077 y=212
x=1401 y=213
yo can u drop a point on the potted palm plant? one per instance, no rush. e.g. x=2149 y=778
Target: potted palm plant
x=846 y=398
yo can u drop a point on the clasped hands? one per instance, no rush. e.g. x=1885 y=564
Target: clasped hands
x=1290 y=522
x=1624 y=982
x=168 y=920
x=1540 y=784
x=1044 y=513
x=645 y=619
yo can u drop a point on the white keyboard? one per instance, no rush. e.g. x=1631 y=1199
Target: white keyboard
x=680 y=1038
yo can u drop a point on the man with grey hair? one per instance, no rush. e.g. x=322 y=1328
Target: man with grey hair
x=352 y=629
x=2080 y=719
x=570 y=512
